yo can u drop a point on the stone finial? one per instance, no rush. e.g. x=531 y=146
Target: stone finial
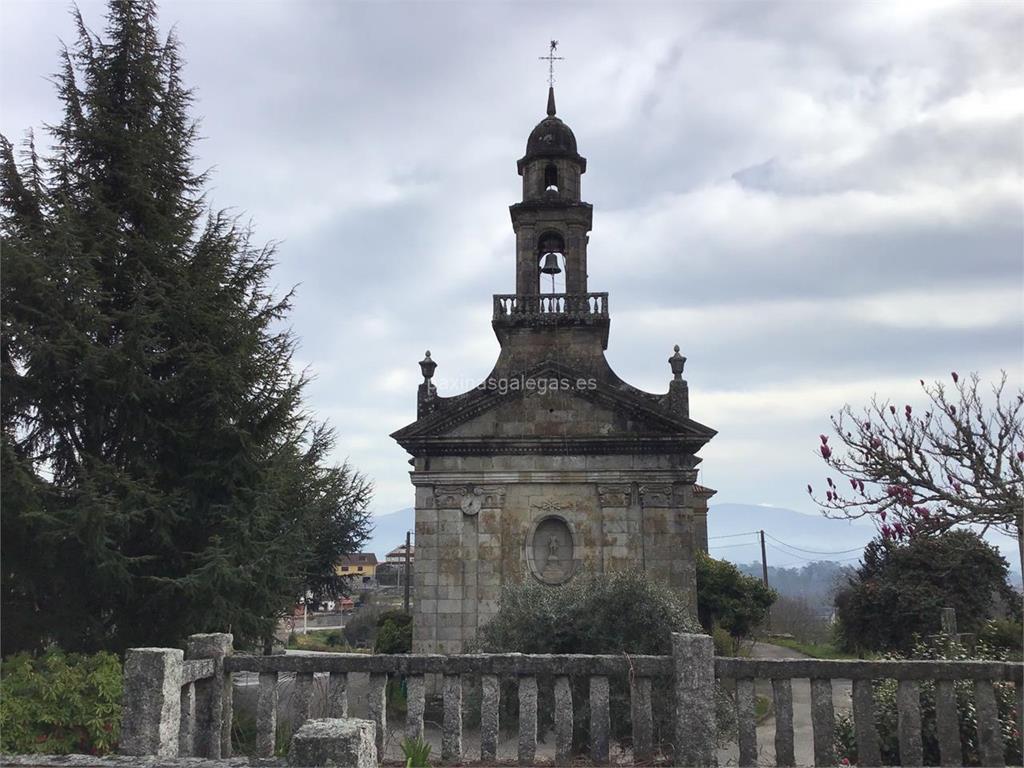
x=427 y=366
x=335 y=742
x=677 y=362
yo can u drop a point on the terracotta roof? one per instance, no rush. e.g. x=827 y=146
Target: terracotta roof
x=701 y=490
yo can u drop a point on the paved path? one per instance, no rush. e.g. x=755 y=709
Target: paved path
x=802 y=730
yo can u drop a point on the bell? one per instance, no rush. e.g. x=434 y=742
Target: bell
x=551 y=265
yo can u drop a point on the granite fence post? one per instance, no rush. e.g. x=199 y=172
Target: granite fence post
x=693 y=658
x=213 y=696
x=151 y=702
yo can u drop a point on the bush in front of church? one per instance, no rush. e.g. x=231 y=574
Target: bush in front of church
x=622 y=612
x=619 y=612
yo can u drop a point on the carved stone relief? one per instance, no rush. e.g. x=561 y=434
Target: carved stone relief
x=613 y=495
x=657 y=495
x=550 y=550
x=469 y=498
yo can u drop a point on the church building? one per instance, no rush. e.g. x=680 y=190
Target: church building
x=553 y=466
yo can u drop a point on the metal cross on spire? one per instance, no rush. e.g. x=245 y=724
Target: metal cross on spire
x=551 y=59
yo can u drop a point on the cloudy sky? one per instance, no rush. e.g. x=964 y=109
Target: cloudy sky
x=818 y=201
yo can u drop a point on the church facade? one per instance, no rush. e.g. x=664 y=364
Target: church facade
x=553 y=466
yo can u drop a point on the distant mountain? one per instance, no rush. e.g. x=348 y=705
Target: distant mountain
x=389 y=531
x=792 y=539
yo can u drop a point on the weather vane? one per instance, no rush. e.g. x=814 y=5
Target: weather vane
x=551 y=59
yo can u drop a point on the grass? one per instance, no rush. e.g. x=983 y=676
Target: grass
x=331 y=640
x=243 y=736
x=762 y=708
x=814 y=650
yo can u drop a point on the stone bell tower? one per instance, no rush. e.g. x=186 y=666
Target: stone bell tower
x=553 y=466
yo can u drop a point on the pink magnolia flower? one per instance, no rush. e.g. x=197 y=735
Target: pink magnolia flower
x=826 y=452
x=892 y=408
x=955 y=377
x=824 y=439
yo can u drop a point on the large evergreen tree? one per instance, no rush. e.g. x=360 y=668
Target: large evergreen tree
x=159 y=473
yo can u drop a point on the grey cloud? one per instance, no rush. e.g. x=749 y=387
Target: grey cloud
x=378 y=142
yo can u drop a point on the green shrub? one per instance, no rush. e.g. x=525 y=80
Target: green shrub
x=886 y=717
x=1003 y=634
x=619 y=612
x=243 y=735
x=60 y=703
x=623 y=612
x=417 y=753
x=724 y=644
x=361 y=628
x=394 y=638
x=909 y=583
x=730 y=599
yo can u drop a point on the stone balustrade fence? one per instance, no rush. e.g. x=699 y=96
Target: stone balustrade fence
x=180 y=704
x=519 y=307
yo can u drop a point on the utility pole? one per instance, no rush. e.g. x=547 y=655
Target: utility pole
x=764 y=576
x=764 y=562
x=408 y=536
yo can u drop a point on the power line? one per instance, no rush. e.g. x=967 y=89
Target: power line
x=814 y=551
x=730 y=546
x=733 y=535
x=807 y=559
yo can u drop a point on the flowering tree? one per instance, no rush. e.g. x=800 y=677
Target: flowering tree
x=958 y=463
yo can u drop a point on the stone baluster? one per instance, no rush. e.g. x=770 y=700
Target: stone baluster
x=527 y=720
x=415 y=705
x=868 y=747
x=823 y=721
x=213 y=696
x=302 y=699
x=337 y=695
x=990 y=737
x=908 y=726
x=693 y=661
x=489 y=705
x=782 y=699
x=266 y=715
x=600 y=723
x=377 y=707
x=187 y=732
x=451 y=735
x=563 y=721
x=947 y=724
x=151 y=702
x=642 y=717
x=746 y=722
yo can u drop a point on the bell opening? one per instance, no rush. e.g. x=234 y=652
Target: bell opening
x=551 y=262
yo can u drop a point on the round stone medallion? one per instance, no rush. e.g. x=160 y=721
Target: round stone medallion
x=550 y=550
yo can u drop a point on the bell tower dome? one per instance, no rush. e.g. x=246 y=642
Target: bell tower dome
x=551 y=219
